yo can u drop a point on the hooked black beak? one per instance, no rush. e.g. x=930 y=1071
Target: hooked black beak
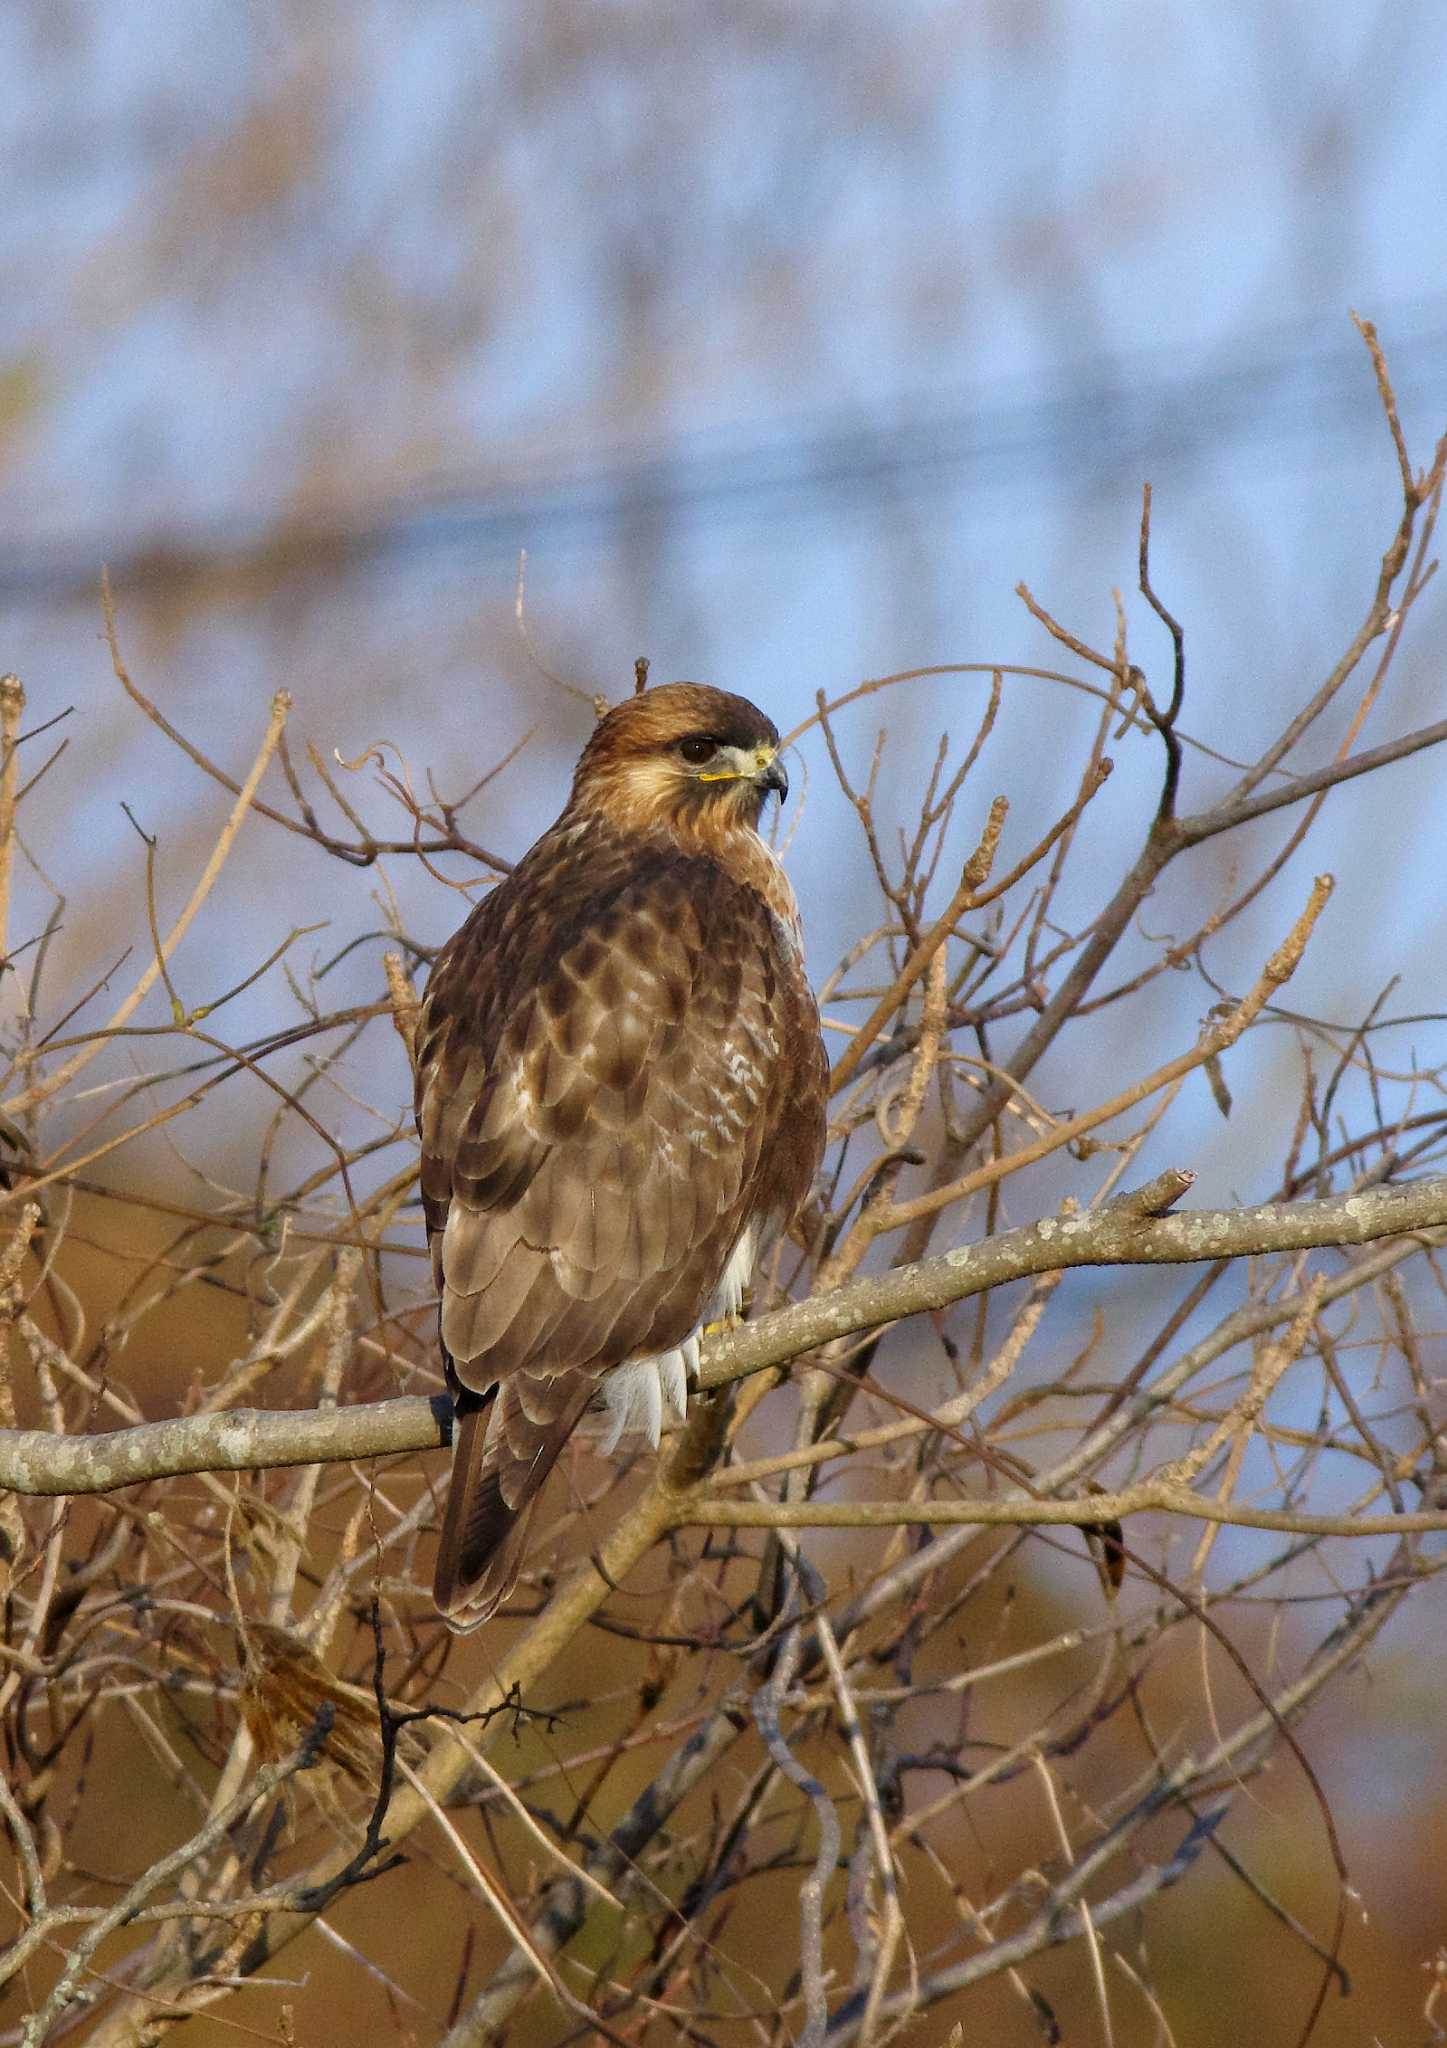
x=776 y=777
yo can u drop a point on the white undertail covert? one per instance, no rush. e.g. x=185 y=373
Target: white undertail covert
x=639 y=1395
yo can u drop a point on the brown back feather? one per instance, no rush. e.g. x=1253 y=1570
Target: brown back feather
x=620 y=1069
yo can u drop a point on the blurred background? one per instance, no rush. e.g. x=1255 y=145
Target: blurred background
x=785 y=339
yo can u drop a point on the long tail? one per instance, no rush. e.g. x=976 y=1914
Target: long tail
x=504 y=1445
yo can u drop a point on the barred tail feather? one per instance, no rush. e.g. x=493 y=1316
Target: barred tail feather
x=501 y=1455
x=480 y=1552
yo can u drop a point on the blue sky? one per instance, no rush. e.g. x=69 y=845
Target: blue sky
x=785 y=346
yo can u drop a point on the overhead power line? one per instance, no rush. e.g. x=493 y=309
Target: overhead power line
x=801 y=468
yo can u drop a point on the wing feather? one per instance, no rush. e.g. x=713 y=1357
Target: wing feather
x=608 y=1092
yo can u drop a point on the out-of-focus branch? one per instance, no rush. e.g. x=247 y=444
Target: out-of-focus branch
x=12 y=710
x=267 y=1781
x=580 y=1595
x=41 y=1091
x=1238 y=1753
x=367 y=848
x=565 y=1904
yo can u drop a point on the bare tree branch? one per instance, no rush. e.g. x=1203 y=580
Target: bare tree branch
x=1129 y=1232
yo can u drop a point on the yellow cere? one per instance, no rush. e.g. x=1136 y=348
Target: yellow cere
x=756 y=762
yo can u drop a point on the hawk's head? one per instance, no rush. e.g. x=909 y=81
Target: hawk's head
x=683 y=755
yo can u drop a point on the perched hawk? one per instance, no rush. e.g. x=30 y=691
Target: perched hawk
x=620 y=1093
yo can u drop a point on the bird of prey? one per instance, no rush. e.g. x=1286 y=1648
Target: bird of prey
x=621 y=1094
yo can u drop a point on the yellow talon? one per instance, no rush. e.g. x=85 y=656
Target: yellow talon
x=723 y=1324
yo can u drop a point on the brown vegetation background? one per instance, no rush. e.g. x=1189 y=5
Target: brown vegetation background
x=786 y=347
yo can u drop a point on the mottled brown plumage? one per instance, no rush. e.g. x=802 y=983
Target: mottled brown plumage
x=620 y=1092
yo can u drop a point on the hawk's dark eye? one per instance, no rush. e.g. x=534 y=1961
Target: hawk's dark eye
x=697 y=748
